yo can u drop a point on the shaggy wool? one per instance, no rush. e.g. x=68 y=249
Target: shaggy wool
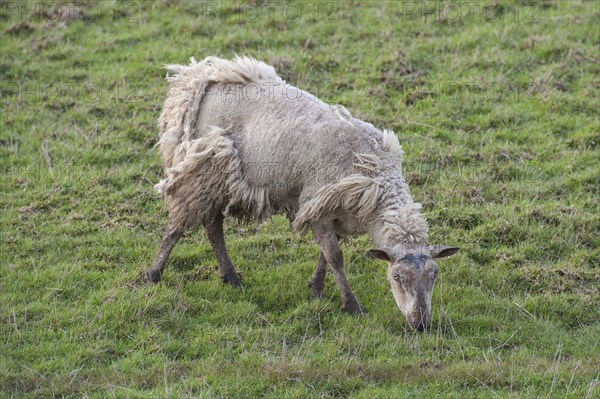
x=272 y=152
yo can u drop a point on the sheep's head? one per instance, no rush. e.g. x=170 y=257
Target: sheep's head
x=412 y=272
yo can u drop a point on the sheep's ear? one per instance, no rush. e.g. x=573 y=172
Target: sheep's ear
x=442 y=251
x=380 y=253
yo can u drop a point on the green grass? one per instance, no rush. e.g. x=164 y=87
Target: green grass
x=498 y=114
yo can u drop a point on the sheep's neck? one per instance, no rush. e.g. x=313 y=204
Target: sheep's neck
x=399 y=225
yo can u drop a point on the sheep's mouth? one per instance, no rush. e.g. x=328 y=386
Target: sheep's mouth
x=419 y=326
x=419 y=323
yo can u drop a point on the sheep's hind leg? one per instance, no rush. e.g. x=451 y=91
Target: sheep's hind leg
x=317 y=281
x=169 y=240
x=214 y=231
x=330 y=247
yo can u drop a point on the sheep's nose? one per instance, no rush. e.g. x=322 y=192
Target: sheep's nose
x=420 y=325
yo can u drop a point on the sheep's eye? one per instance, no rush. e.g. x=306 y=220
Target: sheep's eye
x=435 y=273
x=396 y=277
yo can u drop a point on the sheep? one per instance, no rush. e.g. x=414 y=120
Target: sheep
x=237 y=140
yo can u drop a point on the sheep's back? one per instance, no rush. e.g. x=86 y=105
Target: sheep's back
x=288 y=140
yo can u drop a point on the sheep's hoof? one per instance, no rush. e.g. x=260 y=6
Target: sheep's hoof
x=153 y=276
x=316 y=293
x=233 y=279
x=316 y=289
x=354 y=308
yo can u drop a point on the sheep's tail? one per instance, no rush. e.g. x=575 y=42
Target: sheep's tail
x=188 y=86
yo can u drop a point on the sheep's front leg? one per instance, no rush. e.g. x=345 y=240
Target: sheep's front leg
x=317 y=281
x=214 y=231
x=169 y=240
x=330 y=247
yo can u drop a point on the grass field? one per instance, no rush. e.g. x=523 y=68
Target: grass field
x=497 y=107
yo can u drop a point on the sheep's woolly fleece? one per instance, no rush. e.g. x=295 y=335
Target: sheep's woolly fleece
x=188 y=84
x=204 y=174
x=207 y=175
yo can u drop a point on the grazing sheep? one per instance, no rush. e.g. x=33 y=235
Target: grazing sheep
x=237 y=140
